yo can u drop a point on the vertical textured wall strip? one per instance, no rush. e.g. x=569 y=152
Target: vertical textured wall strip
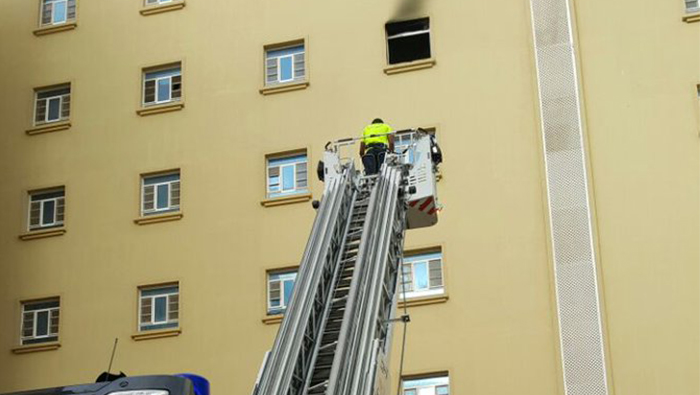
x=567 y=186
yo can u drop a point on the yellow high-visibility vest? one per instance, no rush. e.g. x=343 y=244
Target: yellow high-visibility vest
x=380 y=129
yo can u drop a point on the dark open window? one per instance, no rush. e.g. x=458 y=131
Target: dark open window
x=408 y=40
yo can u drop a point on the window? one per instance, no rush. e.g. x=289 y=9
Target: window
x=160 y=193
x=279 y=290
x=40 y=321
x=54 y=12
x=403 y=145
x=422 y=275
x=159 y=307
x=163 y=85
x=408 y=41
x=46 y=208
x=403 y=141
x=285 y=65
x=692 y=5
x=286 y=175
x=152 y=2
x=52 y=105
x=436 y=385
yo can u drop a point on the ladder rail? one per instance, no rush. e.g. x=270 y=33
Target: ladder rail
x=285 y=354
x=362 y=380
x=338 y=371
x=336 y=272
x=356 y=349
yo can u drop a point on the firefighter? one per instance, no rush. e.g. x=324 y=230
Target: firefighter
x=376 y=140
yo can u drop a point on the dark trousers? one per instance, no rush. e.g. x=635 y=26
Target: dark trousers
x=373 y=158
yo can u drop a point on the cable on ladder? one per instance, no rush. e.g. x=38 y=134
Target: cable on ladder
x=405 y=319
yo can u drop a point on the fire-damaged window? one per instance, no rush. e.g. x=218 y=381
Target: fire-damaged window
x=408 y=40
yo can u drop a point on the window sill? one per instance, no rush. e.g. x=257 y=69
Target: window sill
x=36 y=348
x=691 y=17
x=161 y=108
x=42 y=234
x=49 y=127
x=409 y=66
x=42 y=31
x=157 y=218
x=288 y=87
x=158 y=9
x=424 y=301
x=273 y=319
x=280 y=201
x=156 y=334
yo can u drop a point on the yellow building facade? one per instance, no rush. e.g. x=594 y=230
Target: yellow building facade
x=146 y=146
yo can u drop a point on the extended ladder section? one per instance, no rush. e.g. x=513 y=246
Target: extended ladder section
x=336 y=334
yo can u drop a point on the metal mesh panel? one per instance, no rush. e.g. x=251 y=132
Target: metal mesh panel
x=574 y=259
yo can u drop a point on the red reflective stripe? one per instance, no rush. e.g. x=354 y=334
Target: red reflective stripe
x=426 y=204
x=432 y=211
x=413 y=203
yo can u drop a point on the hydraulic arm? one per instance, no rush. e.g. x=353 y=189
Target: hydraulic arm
x=336 y=333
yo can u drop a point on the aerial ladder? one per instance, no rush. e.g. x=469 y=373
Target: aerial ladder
x=335 y=337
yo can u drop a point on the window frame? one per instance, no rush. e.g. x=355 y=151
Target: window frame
x=408 y=34
x=61 y=98
x=168 y=323
x=281 y=191
x=34 y=338
x=425 y=257
x=691 y=10
x=42 y=6
x=276 y=310
x=161 y=69
x=433 y=376
x=42 y=202
x=408 y=156
x=170 y=207
x=278 y=61
x=156 y=2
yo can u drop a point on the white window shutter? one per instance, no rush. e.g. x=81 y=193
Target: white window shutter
x=35 y=214
x=176 y=92
x=273 y=172
x=275 y=293
x=149 y=94
x=175 y=194
x=53 y=322
x=173 y=307
x=28 y=324
x=299 y=66
x=71 y=9
x=407 y=277
x=148 y=198
x=65 y=106
x=40 y=115
x=47 y=9
x=60 y=209
x=435 y=270
x=271 y=70
x=442 y=390
x=301 y=175
x=146 y=316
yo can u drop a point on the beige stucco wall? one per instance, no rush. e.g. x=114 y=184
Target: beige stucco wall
x=496 y=334
x=640 y=72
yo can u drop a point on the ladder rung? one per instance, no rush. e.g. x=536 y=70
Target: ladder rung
x=340 y=299
x=328 y=345
x=322 y=383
